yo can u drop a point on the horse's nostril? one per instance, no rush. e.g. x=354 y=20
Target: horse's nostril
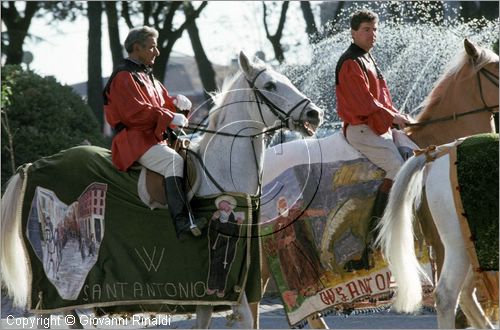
x=314 y=114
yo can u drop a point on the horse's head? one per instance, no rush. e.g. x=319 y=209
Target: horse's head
x=485 y=65
x=279 y=100
x=463 y=99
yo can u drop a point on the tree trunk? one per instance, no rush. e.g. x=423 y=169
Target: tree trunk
x=332 y=30
x=126 y=14
x=276 y=38
x=205 y=69
x=147 y=7
x=311 y=29
x=472 y=9
x=168 y=36
x=17 y=28
x=94 y=83
x=113 y=31
x=10 y=140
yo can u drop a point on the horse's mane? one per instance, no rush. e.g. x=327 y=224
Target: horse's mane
x=219 y=98
x=485 y=57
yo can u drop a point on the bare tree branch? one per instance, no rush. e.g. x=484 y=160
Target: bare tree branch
x=276 y=38
x=17 y=28
x=311 y=29
x=126 y=14
x=146 y=10
x=114 y=33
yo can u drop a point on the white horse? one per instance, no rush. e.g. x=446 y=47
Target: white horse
x=240 y=160
x=396 y=239
x=257 y=100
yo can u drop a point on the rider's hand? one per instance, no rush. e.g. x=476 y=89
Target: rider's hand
x=401 y=120
x=182 y=102
x=179 y=120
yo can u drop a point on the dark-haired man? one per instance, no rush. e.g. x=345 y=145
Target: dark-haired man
x=365 y=105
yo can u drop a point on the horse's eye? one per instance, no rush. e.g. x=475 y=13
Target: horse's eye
x=270 y=86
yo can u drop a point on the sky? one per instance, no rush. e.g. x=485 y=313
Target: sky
x=225 y=27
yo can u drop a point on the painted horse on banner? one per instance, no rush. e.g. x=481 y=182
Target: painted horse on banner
x=461 y=188
x=104 y=262
x=329 y=182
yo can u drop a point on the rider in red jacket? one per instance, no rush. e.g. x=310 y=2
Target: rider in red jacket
x=145 y=110
x=140 y=110
x=365 y=105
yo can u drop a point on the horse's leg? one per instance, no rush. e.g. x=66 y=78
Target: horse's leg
x=470 y=306
x=316 y=322
x=254 y=307
x=244 y=313
x=432 y=239
x=442 y=206
x=431 y=235
x=449 y=285
x=204 y=316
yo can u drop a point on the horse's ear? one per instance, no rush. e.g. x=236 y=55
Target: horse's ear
x=471 y=49
x=245 y=64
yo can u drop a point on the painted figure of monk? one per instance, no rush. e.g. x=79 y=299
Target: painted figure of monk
x=300 y=266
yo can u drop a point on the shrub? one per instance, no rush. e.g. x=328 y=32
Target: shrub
x=42 y=117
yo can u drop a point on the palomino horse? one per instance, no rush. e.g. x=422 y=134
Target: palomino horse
x=459 y=277
x=257 y=100
x=462 y=103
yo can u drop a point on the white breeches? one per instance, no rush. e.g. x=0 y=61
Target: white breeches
x=163 y=160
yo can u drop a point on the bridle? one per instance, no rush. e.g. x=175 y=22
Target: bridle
x=260 y=98
x=283 y=117
x=491 y=77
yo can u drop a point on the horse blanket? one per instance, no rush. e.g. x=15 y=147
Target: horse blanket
x=317 y=202
x=92 y=242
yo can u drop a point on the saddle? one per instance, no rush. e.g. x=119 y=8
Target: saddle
x=151 y=185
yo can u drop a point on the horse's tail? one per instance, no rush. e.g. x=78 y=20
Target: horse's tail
x=396 y=234
x=13 y=258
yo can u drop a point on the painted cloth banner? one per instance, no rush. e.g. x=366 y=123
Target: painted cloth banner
x=316 y=205
x=92 y=242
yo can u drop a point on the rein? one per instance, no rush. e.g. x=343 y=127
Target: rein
x=491 y=78
x=205 y=130
x=283 y=117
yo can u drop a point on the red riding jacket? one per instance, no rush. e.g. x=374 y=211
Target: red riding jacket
x=139 y=108
x=362 y=93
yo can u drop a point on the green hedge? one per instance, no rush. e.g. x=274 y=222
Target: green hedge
x=44 y=117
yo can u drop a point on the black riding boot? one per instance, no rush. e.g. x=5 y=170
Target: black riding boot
x=180 y=210
x=379 y=205
x=377 y=213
